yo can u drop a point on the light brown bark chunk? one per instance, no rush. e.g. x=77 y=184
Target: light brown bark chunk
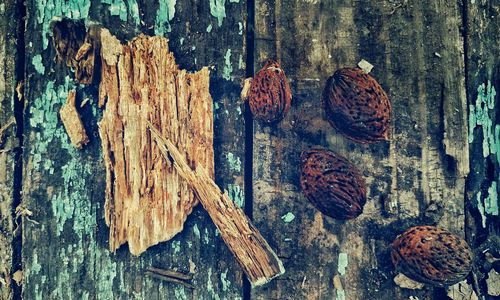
x=73 y=123
x=146 y=200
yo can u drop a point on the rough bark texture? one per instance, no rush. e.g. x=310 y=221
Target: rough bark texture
x=66 y=255
x=418 y=178
x=146 y=200
x=252 y=251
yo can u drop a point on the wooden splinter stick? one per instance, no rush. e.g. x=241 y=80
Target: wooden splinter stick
x=258 y=260
x=72 y=122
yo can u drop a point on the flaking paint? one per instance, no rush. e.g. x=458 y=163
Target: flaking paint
x=164 y=15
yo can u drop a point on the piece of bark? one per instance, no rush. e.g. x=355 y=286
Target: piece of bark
x=72 y=122
x=258 y=260
x=146 y=201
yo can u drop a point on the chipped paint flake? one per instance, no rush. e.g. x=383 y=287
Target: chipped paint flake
x=225 y=282
x=196 y=231
x=209 y=28
x=288 y=217
x=236 y=194
x=342 y=265
x=38 y=64
x=234 y=162
x=228 y=67
x=164 y=15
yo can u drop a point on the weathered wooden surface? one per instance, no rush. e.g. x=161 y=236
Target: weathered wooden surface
x=66 y=255
x=417 y=48
x=483 y=91
x=9 y=150
x=418 y=178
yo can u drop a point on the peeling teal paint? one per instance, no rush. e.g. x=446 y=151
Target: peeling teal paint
x=119 y=8
x=180 y=293
x=342 y=264
x=176 y=247
x=218 y=9
x=38 y=64
x=164 y=15
x=288 y=217
x=240 y=28
x=209 y=28
x=206 y=237
x=181 y=40
x=228 y=66
x=196 y=231
x=47 y=10
x=340 y=294
x=71 y=202
x=234 y=162
x=225 y=283
x=210 y=288
x=481 y=113
x=241 y=63
x=236 y=194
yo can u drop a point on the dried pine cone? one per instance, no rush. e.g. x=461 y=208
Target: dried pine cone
x=432 y=255
x=270 y=96
x=357 y=106
x=332 y=184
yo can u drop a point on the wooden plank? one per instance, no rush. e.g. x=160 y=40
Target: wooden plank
x=9 y=150
x=418 y=178
x=65 y=255
x=483 y=86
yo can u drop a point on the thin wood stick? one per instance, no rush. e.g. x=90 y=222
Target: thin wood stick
x=258 y=260
x=171 y=273
x=169 y=279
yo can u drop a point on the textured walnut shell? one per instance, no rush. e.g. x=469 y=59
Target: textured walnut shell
x=332 y=184
x=357 y=106
x=432 y=255
x=270 y=96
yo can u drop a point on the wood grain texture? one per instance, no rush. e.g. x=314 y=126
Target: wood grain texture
x=66 y=255
x=418 y=178
x=9 y=146
x=483 y=85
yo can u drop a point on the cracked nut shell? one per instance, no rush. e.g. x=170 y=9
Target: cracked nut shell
x=270 y=96
x=357 y=106
x=432 y=255
x=332 y=184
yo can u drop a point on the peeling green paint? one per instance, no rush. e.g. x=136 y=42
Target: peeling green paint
x=196 y=230
x=236 y=194
x=234 y=162
x=210 y=288
x=180 y=293
x=241 y=63
x=164 y=15
x=342 y=264
x=228 y=66
x=288 y=217
x=209 y=28
x=218 y=9
x=47 y=10
x=340 y=294
x=119 y=8
x=206 y=237
x=482 y=113
x=176 y=247
x=181 y=40
x=38 y=64
x=240 y=28
x=225 y=283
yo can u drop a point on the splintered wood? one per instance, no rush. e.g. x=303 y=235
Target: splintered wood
x=72 y=122
x=146 y=200
x=252 y=251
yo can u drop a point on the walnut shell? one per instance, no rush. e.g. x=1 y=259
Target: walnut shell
x=357 y=106
x=432 y=255
x=332 y=184
x=270 y=96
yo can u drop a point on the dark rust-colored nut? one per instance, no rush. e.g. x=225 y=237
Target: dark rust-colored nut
x=332 y=184
x=270 y=96
x=432 y=255
x=357 y=106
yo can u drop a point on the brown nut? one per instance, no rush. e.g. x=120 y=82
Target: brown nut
x=332 y=184
x=432 y=255
x=270 y=96
x=357 y=106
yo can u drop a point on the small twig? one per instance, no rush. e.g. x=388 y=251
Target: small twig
x=9 y=123
x=171 y=273
x=168 y=278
